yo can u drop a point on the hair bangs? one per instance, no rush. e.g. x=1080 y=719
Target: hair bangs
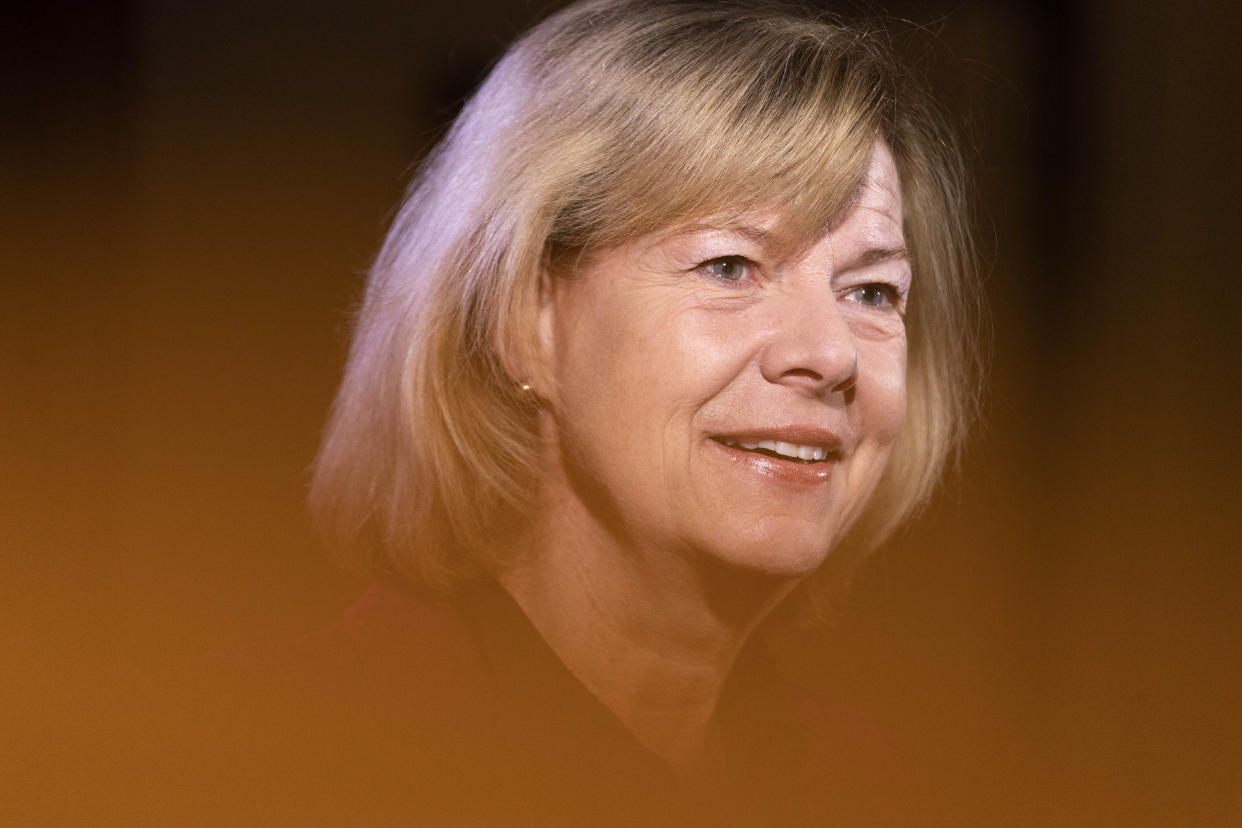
x=767 y=125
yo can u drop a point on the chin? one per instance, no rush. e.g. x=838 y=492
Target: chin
x=790 y=558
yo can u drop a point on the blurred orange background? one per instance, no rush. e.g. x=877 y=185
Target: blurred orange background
x=193 y=191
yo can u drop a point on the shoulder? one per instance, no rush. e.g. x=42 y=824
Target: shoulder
x=408 y=643
x=331 y=725
x=391 y=644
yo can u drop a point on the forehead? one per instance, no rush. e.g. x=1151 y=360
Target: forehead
x=881 y=185
x=873 y=210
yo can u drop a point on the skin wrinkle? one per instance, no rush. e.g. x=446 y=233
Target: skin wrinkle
x=656 y=551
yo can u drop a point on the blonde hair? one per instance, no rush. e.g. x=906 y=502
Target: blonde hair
x=610 y=120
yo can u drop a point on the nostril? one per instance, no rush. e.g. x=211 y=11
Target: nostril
x=805 y=372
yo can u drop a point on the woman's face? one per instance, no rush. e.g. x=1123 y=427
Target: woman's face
x=715 y=398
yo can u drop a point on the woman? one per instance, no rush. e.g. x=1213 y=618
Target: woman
x=674 y=318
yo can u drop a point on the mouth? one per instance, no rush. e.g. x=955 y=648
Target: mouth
x=779 y=450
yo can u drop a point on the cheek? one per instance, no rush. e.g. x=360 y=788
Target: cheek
x=650 y=352
x=883 y=410
x=616 y=371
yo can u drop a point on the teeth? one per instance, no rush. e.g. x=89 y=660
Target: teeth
x=791 y=450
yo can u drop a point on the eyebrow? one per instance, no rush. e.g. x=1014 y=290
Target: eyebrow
x=765 y=238
x=749 y=231
x=877 y=255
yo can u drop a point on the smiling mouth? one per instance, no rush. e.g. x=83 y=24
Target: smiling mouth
x=791 y=452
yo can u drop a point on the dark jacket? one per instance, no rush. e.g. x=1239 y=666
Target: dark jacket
x=421 y=709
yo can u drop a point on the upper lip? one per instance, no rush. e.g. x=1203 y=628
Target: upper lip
x=801 y=435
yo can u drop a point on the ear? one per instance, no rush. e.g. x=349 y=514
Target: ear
x=526 y=348
x=545 y=335
x=542 y=358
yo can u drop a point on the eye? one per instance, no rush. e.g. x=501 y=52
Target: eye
x=728 y=268
x=875 y=295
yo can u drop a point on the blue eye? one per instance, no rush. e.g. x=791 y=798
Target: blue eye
x=728 y=268
x=874 y=295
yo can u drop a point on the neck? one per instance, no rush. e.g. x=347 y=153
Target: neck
x=652 y=633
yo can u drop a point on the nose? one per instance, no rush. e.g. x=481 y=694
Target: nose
x=811 y=346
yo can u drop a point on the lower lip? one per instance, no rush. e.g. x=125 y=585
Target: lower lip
x=784 y=471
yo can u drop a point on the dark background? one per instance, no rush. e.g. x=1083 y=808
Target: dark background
x=192 y=191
